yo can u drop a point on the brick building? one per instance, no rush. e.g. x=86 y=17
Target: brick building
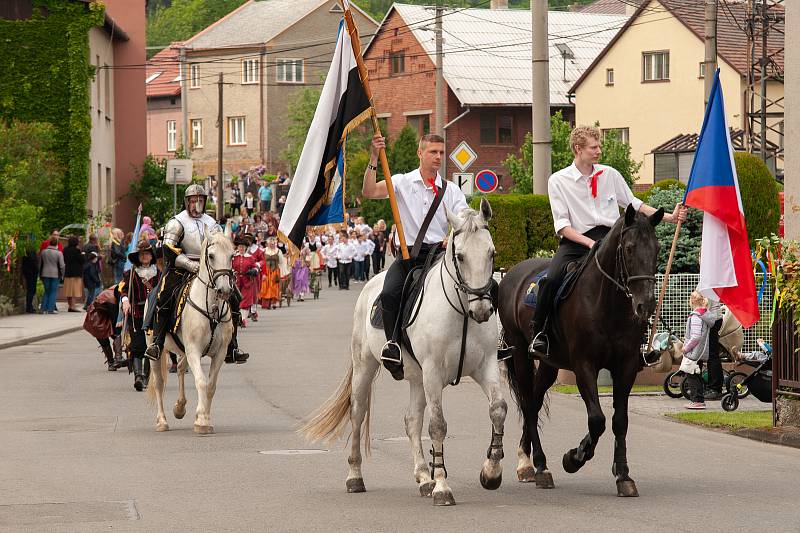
x=488 y=81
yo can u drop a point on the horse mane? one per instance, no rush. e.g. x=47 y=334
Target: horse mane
x=218 y=237
x=472 y=220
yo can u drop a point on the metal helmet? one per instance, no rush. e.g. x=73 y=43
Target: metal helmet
x=194 y=190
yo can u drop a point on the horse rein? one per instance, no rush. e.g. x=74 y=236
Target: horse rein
x=622 y=278
x=218 y=313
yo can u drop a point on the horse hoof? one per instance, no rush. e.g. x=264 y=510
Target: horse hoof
x=627 y=489
x=544 y=480
x=526 y=474
x=443 y=498
x=204 y=430
x=162 y=427
x=426 y=488
x=355 y=484
x=491 y=483
x=570 y=464
x=179 y=413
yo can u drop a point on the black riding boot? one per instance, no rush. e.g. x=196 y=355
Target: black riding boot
x=109 y=353
x=138 y=373
x=235 y=355
x=391 y=354
x=540 y=344
x=153 y=352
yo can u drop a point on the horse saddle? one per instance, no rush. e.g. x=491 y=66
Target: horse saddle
x=412 y=288
x=574 y=271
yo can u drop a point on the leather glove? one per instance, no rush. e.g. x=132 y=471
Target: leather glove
x=252 y=272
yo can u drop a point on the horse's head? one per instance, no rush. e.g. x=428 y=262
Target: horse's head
x=216 y=262
x=470 y=254
x=637 y=259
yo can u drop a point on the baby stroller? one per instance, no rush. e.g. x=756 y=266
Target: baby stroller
x=759 y=382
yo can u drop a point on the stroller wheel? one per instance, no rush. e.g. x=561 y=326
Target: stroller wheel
x=730 y=402
x=672 y=384
x=735 y=383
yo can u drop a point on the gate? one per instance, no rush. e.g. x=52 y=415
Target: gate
x=785 y=360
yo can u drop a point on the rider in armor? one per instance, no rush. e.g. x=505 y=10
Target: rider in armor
x=183 y=240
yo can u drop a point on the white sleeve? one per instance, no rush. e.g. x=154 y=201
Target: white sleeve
x=624 y=194
x=558 y=206
x=455 y=199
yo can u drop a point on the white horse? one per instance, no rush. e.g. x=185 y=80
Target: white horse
x=205 y=328
x=450 y=299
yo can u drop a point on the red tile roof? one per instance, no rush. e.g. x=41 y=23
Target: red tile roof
x=165 y=67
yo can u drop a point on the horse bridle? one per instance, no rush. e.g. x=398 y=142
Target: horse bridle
x=622 y=278
x=217 y=314
x=473 y=294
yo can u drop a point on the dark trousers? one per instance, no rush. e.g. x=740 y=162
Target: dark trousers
x=377 y=262
x=365 y=274
x=568 y=251
x=359 y=267
x=714 y=362
x=344 y=275
x=333 y=276
x=30 y=293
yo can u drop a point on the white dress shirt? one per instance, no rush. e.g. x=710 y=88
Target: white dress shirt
x=360 y=250
x=572 y=203
x=345 y=252
x=414 y=198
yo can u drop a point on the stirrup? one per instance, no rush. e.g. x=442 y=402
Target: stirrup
x=399 y=359
x=540 y=337
x=153 y=352
x=504 y=351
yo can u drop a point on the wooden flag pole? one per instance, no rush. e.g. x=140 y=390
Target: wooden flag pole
x=362 y=71
x=664 y=285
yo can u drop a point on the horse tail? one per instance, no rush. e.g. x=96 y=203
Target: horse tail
x=150 y=391
x=518 y=394
x=328 y=421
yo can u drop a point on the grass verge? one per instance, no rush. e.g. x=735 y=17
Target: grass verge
x=573 y=389
x=730 y=421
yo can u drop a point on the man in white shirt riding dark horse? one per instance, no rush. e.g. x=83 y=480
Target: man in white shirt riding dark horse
x=415 y=193
x=585 y=199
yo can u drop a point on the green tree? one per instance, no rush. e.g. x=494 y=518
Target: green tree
x=687 y=252
x=402 y=153
x=617 y=154
x=183 y=18
x=152 y=190
x=301 y=112
x=759 y=196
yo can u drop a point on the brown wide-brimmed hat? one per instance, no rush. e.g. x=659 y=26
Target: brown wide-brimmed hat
x=143 y=246
x=240 y=240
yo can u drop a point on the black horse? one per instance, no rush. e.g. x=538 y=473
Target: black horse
x=600 y=324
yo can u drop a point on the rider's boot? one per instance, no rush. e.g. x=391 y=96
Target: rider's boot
x=153 y=352
x=390 y=354
x=234 y=354
x=138 y=373
x=109 y=353
x=540 y=344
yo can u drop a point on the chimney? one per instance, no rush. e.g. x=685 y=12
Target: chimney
x=498 y=4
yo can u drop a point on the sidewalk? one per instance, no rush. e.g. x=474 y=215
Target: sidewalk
x=17 y=330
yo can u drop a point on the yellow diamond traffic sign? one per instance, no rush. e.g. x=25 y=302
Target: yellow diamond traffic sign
x=463 y=156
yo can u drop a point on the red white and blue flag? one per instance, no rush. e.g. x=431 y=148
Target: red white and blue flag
x=726 y=267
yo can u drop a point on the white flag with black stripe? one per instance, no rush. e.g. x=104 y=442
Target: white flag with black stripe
x=316 y=196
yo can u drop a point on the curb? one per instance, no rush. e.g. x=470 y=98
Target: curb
x=37 y=338
x=782 y=438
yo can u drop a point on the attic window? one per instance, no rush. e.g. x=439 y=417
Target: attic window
x=153 y=76
x=336 y=9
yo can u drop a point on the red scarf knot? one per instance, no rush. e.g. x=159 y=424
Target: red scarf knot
x=593 y=183
x=432 y=183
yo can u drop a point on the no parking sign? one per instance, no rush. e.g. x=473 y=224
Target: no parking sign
x=486 y=181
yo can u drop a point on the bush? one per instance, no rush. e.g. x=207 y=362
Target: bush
x=759 y=196
x=155 y=194
x=687 y=252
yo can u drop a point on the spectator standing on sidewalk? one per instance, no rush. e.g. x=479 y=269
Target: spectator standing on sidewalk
x=45 y=243
x=51 y=268
x=73 y=274
x=91 y=278
x=695 y=348
x=264 y=196
x=118 y=253
x=30 y=274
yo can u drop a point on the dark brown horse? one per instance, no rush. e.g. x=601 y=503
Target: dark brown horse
x=600 y=324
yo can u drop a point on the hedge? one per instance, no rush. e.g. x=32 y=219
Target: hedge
x=759 y=196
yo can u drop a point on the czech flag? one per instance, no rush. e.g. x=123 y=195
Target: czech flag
x=726 y=267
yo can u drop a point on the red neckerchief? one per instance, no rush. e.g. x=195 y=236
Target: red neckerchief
x=593 y=183
x=432 y=183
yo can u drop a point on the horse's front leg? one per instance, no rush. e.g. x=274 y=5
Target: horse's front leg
x=414 y=420
x=202 y=424
x=488 y=377
x=158 y=374
x=437 y=429
x=623 y=382
x=574 y=459
x=213 y=378
x=179 y=409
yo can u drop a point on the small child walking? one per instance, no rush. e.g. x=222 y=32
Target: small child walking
x=695 y=347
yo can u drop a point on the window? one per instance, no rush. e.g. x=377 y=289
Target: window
x=655 y=66
x=702 y=71
x=236 y=131
x=420 y=123
x=496 y=128
x=250 y=72
x=290 y=70
x=197 y=133
x=623 y=134
x=609 y=76
x=194 y=76
x=398 y=62
x=107 y=89
x=172 y=131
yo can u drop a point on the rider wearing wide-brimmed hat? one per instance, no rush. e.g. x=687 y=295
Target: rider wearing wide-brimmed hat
x=183 y=240
x=585 y=199
x=135 y=287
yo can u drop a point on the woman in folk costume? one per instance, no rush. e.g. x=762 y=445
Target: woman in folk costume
x=134 y=289
x=247 y=275
x=300 y=273
x=271 y=278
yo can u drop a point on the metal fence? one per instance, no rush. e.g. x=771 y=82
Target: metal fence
x=676 y=307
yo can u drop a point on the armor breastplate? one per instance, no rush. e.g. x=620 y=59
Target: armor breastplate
x=194 y=231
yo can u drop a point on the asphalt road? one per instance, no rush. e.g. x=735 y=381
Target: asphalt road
x=79 y=453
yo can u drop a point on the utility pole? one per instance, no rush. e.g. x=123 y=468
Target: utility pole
x=220 y=133
x=440 y=80
x=710 y=60
x=541 y=97
x=184 y=104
